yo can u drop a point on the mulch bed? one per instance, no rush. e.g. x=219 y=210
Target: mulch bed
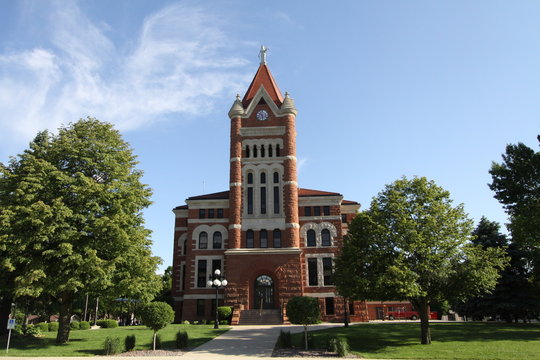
x=298 y=352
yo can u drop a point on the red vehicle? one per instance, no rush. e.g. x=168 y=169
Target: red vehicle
x=413 y=315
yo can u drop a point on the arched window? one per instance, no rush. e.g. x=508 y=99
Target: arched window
x=325 y=237
x=262 y=150
x=263 y=178
x=277 y=150
x=263 y=193
x=264 y=238
x=216 y=243
x=184 y=249
x=249 y=238
x=277 y=238
x=276 y=178
x=254 y=151
x=250 y=193
x=247 y=151
x=250 y=178
x=203 y=240
x=270 y=153
x=311 y=239
x=276 y=193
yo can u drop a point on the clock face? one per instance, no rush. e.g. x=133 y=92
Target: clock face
x=262 y=115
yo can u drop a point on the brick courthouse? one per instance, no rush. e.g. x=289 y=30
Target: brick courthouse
x=270 y=238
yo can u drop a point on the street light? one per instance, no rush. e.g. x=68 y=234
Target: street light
x=218 y=281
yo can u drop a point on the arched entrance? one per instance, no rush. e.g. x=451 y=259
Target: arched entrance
x=264 y=293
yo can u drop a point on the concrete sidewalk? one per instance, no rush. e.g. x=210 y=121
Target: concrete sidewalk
x=246 y=342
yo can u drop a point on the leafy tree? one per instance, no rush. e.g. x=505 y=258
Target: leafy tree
x=513 y=297
x=165 y=294
x=156 y=316
x=303 y=310
x=413 y=244
x=71 y=218
x=516 y=183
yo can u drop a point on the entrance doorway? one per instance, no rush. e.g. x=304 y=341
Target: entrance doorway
x=264 y=292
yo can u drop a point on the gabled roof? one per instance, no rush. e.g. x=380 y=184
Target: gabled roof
x=310 y=192
x=218 y=195
x=264 y=78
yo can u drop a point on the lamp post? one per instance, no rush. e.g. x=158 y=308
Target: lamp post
x=218 y=281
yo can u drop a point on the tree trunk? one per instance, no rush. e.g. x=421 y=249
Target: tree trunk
x=5 y=310
x=424 y=322
x=305 y=337
x=155 y=334
x=66 y=305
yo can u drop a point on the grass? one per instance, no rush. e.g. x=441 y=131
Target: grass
x=449 y=340
x=90 y=342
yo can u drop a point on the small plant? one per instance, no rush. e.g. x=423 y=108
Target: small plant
x=284 y=339
x=223 y=322
x=212 y=322
x=156 y=316
x=107 y=324
x=53 y=326
x=112 y=346
x=186 y=322
x=130 y=342
x=224 y=313
x=182 y=339
x=203 y=322
x=74 y=325
x=84 y=325
x=195 y=322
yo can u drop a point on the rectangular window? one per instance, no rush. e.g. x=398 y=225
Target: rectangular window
x=263 y=237
x=329 y=305
x=202 y=213
x=307 y=210
x=263 y=200
x=184 y=277
x=216 y=265
x=327 y=271
x=249 y=238
x=312 y=272
x=326 y=210
x=210 y=213
x=220 y=213
x=277 y=238
x=250 y=200
x=351 y=307
x=201 y=273
x=316 y=211
x=343 y=218
x=276 y=199
x=201 y=307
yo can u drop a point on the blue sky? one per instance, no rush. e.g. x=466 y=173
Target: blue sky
x=383 y=88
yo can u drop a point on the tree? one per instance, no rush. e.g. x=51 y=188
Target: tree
x=413 y=244
x=303 y=310
x=516 y=183
x=72 y=219
x=165 y=294
x=513 y=298
x=156 y=316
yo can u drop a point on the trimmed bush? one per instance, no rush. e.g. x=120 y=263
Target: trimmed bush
x=74 y=325
x=53 y=326
x=43 y=327
x=107 y=324
x=224 y=313
x=284 y=339
x=112 y=346
x=84 y=325
x=129 y=342
x=338 y=345
x=182 y=339
x=186 y=322
x=223 y=322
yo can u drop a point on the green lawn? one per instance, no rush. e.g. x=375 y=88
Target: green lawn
x=90 y=342
x=449 y=340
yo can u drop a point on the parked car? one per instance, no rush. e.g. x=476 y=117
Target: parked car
x=413 y=315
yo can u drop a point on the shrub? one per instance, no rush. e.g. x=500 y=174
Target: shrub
x=212 y=322
x=74 y=325
x=284 y=339
x=195 y=322
x=303 y=310
x=342 y=347
x=182 y=339
x=224 y=312
x=112 y=346
x=108 y=324
x=27 y=330
x=157 y=315
x=223 y=322
x=43 y=327
x=53 y=326
x=84 y=325
x=130 y=342
x=186 y=322
x=203 y=322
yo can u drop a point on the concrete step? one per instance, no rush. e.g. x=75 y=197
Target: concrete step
x=260 y=317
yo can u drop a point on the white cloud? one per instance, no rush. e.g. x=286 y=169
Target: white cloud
x=181 y=61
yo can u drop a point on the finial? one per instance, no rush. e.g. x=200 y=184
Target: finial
x=262 y=54
x=286 y=94
x=238 y=97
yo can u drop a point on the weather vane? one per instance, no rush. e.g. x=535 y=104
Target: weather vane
x=262 y=54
